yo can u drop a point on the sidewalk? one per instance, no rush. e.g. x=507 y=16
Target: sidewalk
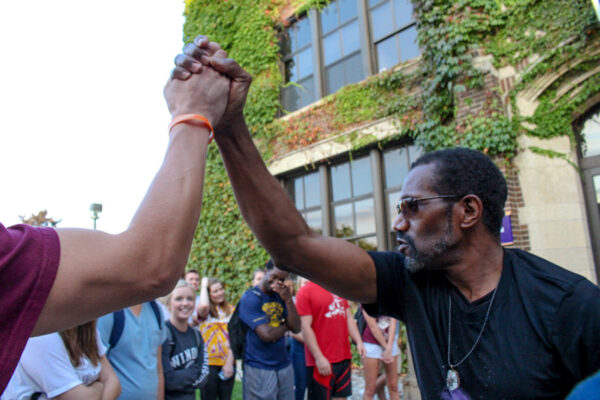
x=358 y=385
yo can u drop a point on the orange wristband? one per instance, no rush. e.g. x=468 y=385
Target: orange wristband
x=184 y=118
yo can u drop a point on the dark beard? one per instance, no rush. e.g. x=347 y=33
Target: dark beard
x=419 y=260
x=430 y=260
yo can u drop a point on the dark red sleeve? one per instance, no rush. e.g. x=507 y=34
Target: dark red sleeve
x=29 y=260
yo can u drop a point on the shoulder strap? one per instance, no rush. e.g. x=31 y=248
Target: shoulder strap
x=170 y=334
x=170 y=338
x=157 y=313
x=199 y=339
x=117 y=328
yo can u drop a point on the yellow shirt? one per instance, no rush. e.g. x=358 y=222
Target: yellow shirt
x=215 y=335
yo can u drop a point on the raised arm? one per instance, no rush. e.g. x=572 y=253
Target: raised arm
x=99 y=272
x=204 y=303
x=269 y=211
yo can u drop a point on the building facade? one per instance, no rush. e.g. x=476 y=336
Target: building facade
x=347 y=93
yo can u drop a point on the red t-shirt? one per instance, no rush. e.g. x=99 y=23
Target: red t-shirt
x=28 y=263
x=329 y=322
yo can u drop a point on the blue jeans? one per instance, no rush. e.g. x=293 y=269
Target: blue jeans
x=299 y=363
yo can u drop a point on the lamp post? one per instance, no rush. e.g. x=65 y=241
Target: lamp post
x=96 y=209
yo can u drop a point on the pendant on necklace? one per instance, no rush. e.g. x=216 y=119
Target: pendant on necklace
x=452 y=379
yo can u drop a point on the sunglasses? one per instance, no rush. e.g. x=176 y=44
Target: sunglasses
x=409 y=206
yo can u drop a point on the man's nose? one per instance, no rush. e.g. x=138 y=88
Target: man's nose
x=400 y=223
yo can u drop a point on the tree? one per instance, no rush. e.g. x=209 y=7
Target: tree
x=39 y=219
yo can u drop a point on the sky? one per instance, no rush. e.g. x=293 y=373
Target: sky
x=82 y=115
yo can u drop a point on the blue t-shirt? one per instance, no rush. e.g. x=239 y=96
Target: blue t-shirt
x=257 y=308
x=134 y=357
x=588 y=389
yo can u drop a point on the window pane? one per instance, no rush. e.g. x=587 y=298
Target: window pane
x=340 y=182
x=403 y=11
x=343 y=220
x=365 y=216
x=334 y=78
x=306 y=92
x=285 y=41
x=329 y=17
x=298 y=193
x=408 y=44
x=305 y=63
x=331 y=48
x=347 y=10
x=414 y=152
x=350 y=38
x=387 y=53
x=396 y=166
x=312 y=184
x=368 y=243
x=294 y=98
x=303 y=32
x=381 y=20
x=392 y=198
x=353 y=69
x=361 y=176
x=290 y=70
x=591 y=135
x=313 y=220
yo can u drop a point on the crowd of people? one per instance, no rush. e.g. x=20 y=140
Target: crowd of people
x=482 y=321
x=172 y=347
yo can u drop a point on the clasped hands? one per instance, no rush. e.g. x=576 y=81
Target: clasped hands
x=206 y=82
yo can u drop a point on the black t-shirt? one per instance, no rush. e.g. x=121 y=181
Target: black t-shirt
x=541 y=338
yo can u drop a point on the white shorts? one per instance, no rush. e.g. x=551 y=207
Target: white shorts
x=376 y=351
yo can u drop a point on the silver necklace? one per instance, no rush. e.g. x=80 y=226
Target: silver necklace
x=452 y=377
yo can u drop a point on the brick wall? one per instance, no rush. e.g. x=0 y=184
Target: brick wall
x=513 y=203
x=484 y=99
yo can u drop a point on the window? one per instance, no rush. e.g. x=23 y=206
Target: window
x=396 y=164
x=306 y=193
x=353 y=203
x=393 y=31
x=591 y=134
x=298 y=62
x=341 y=45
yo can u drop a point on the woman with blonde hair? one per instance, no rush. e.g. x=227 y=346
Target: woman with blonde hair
x=67 y=365
x=184 y=355
x=214 y=313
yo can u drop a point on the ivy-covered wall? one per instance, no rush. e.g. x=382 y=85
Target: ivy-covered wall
x=554 y=43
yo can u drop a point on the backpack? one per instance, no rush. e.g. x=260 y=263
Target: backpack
x=360 y=320
x=119 y=324
x=237 y=330
x=171 y=341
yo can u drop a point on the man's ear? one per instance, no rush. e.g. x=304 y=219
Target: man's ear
x=472 y=210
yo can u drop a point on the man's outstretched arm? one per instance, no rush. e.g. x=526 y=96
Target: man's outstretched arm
x=99 y=272
x=335 y=264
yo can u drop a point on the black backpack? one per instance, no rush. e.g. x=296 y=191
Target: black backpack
x=237 y=330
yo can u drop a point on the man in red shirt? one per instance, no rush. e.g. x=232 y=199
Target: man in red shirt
x=326 y=322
